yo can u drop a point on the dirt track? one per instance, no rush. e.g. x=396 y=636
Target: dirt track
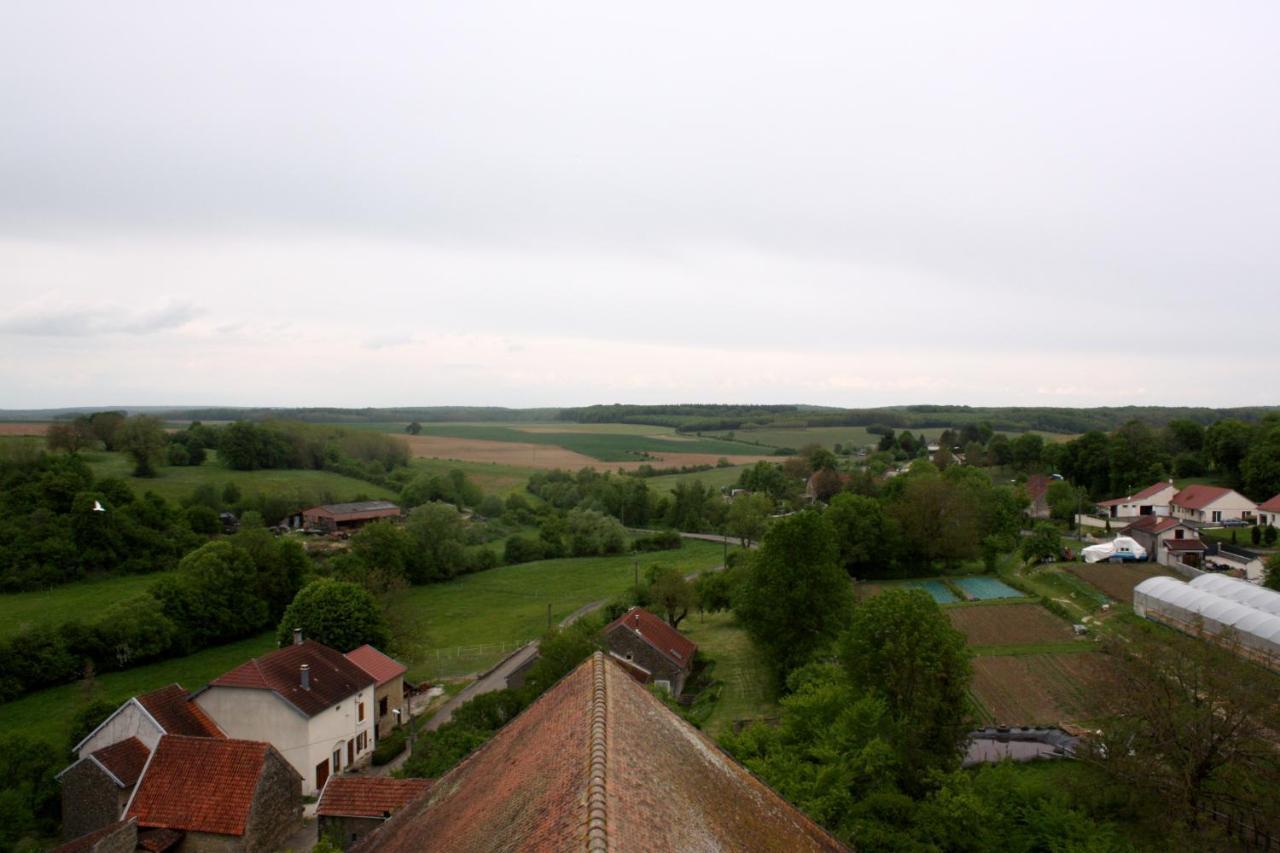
x=549 y=456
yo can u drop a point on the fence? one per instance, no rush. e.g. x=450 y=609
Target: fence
x=463 y=660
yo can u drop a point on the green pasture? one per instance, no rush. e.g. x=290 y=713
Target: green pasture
x=469 y=624
x=606 y=446
x=177 y=482
x=746 y=687
x=70 y=602
x=716 y=478
x=47 y=715
x=492 y=478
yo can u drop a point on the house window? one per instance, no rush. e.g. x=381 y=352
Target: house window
x=1217 y=515
x=1177 y=534
x=359 y=712
x=337 y=759
x=382 y=707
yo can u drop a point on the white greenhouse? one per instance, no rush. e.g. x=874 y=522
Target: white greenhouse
x=1202 y=611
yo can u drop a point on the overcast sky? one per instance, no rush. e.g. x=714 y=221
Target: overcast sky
x=559 y=203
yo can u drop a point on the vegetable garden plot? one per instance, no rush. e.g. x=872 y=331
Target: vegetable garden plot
x=1008 y=624
x=1116 y=580
x=1043 y=689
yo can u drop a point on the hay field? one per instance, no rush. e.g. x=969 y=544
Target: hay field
x=1046 y=689
x=547 y=456
x=23 y=428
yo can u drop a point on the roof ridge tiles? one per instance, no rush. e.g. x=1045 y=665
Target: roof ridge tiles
x=597 y=796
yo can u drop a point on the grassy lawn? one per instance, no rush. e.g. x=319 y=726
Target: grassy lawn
x=68 y=602
x=175 y=483
x=491 y=477
x=47 y=715
x=747 y=690
x=715 y=478
x=469 y=624
x=605 y=446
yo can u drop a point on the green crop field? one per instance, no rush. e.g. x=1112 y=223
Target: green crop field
x=747 y=690
x=68 y=602
x=607 y=446
x=716 y=478
x=828 y=437
x=47 y=715
x=175 y=483
x=470 y=623
x=492 y=478
x=398 y=427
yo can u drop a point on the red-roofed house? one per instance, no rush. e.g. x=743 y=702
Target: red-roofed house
x=648 y=644
x=1211 y=504
x=168 y=710
x=223 y=794
x=1168 y=541
x=1153 y=500
x=1037 y=489
x=597 y=763
x=388 y=691
x=307 y=700
x=1269 y=512
x=351 y=807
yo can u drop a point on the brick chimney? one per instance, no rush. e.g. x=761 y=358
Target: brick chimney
x=304 y=676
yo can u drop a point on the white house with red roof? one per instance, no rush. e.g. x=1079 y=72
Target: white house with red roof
x=1168 y=541
x=1153 y=500
x=1211 y=505
x=307 y=700
x=1269 y=512
x=388 y=691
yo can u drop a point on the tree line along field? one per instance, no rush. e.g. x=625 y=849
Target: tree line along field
x=468 y=624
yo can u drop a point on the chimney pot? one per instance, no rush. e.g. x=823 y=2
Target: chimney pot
x=304 y=676
x=297 y=636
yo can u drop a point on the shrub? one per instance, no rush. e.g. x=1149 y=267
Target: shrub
x=666 y=540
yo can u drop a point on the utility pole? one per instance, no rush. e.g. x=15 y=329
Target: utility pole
x=548 y=615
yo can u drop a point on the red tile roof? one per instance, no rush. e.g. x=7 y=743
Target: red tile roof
x=1037 y=486
x=85 y=843
x=669 y=642
x=374 y=662
x=124 y=759
x=368 y=796
x=199 y=784
x=159 y=840
x=598 y=763
x=333 y=677
x=1272 y=505
x=1198 y=496
x=173 y=709
x=1184 y=545
x=1153 y=524
x=1149 y=491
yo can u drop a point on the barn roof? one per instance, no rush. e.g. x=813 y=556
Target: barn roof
x=356 y=507
x=378 y=665
x=173 y=709
x=368 y=796
x=598 y=763
x=124 y=759
x=667 y=641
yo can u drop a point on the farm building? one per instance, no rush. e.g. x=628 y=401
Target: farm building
x=1206 y=612
x=350 y=516
x=1153 y=500
x=650 y=650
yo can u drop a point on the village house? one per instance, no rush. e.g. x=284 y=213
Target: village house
x=1167 y=541
x=1269 y=512
x=351 y=807
x=220 y=794
x=334 y=518
x=652 y=651
x=1211 y=505
x=388 y=691
x=1153 y=500
x=309 y=701
x=110 y=759
x=598 y=763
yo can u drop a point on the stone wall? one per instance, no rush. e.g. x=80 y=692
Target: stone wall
x=345 y=831
x=624 y=642
x=277 y=805
x=90 y=799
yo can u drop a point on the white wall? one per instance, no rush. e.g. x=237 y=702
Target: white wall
x=129 y=720
x=262 y=715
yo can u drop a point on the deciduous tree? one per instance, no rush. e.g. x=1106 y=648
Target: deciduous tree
x=339 y=614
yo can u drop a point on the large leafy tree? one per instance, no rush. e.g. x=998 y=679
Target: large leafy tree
x=337 y=613
x=144 y=439
x=213 y=598
x=795 y=598
x=901 y=649
x=867 y=538
x=1260 y=468
x=748 y=516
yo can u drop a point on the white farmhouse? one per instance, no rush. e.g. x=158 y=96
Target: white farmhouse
x=1269 y=512
x=1211 y=505
x=307 y=700
x=1153 y=500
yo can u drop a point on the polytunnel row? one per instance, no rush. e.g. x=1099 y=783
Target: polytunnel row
x=1212 y=605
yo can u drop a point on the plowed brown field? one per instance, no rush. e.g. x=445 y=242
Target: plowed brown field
x=1008 y=624
x=549 y=456
x=1116 y=580
x=20 y=428
x=1043 y=689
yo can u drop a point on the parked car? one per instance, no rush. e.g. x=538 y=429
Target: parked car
x=1236 y=522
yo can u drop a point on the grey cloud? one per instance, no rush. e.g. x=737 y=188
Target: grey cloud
x=92 y=322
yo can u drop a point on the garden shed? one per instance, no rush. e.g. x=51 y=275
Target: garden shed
x=1201 y=612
